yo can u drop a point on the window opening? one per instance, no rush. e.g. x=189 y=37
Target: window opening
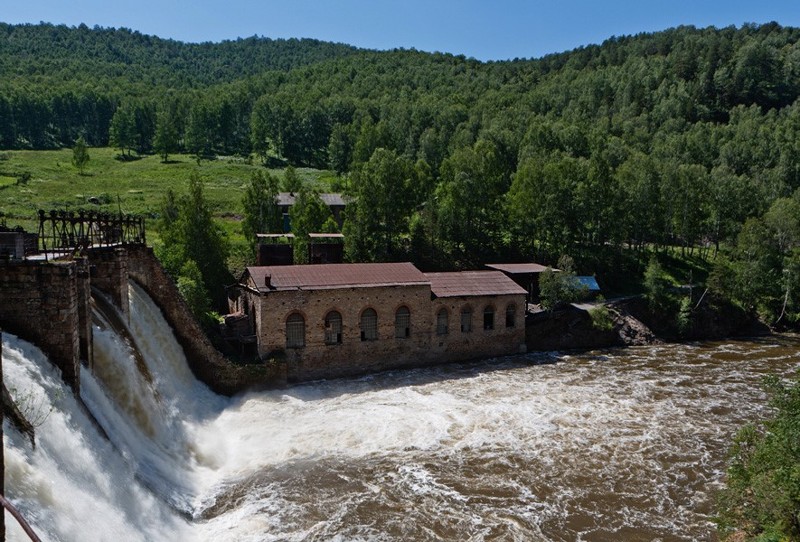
x=333 y=328
x=466 y=320
x=369 y=325
x=511 y=315
x=402 y=323
x=488 y=318
x=295 y=331
x=441 y=322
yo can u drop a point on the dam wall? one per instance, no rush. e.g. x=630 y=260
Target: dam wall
x=47 y=303
x=207 y=363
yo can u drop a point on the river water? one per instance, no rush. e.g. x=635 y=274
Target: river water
x=614 y=445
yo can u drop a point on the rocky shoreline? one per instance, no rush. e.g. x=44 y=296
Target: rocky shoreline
x=634 y=324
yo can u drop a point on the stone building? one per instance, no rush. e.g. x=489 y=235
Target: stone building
x=344 y=319
x=476 y=314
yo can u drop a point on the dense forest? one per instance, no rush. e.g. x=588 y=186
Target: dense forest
x=684 y=138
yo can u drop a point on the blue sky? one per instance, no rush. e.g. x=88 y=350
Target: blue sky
x=486 y=30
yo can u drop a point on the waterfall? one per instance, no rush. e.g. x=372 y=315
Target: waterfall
x=75 y=485
x=148 y=401
x=139 y=476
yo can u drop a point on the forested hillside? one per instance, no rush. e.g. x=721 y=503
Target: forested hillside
x=687 y=137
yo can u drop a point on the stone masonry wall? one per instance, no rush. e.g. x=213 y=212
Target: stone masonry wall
x=110 y=274
x=478 y=342
x=85 y=337
x=39 y=302
x=206 y=362
x=353 y=356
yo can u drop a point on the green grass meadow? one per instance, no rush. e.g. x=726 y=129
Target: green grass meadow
x=136 y=186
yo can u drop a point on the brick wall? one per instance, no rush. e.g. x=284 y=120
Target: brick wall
x=353 y=356
x=478 y=342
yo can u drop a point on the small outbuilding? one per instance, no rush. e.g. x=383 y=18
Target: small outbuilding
x=590 y=284
x=275 y=249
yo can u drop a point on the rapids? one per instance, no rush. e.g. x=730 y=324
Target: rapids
x=614 y=445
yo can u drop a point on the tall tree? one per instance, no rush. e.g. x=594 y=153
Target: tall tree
x=122 y=132
x=470 y=199
x=291 y=181
x=190 y=233
x=340 y=149
x=202 y=128
x=309 y=214
x=165 y=141
x=80 y=154
x=383 y=202
x=261 y=211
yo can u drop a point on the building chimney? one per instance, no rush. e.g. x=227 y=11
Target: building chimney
x=268 y=281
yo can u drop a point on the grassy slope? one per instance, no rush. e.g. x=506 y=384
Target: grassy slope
x=137 y=186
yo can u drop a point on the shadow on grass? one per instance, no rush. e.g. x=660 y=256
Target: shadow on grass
x=127 y=158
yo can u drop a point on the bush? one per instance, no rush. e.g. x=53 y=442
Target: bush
x=558 y=288
x=601 y=318
x=657 y=285
x=762 y=497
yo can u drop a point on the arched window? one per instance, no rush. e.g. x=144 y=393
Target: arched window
x=295 y=331
x=333 y=328
x=466 y=320
x=488 y=318
x=402 y=323
x=511 y=315
x=369 y=325
x=441 y=322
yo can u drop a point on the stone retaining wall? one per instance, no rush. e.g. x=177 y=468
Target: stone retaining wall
x=206 y=362
x=109 y=270
x=40 y=303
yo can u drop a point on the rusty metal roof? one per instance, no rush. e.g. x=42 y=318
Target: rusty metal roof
x=331 y=200
x=339 y=275
x=519 y=268
x=472 y=283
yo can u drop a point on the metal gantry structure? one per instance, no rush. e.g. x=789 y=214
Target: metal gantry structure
x=67 y=231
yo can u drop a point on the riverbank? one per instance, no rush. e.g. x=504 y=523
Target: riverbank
x=634 y=324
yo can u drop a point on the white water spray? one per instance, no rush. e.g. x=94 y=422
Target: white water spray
x=74 y=485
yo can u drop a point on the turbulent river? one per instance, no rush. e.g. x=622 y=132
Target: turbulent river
x=613 y=445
